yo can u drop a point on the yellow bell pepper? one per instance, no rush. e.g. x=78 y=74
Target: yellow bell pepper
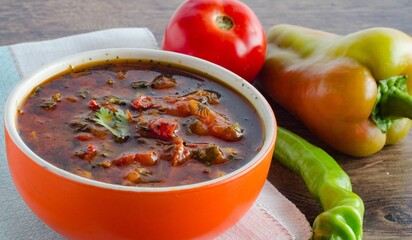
x=351 y=91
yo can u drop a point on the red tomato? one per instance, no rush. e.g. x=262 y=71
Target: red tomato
x=93 y=105
x=163 y=128
x=225 y=32
x=142 y=102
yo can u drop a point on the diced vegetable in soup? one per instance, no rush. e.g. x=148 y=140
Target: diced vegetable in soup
x=140 y=124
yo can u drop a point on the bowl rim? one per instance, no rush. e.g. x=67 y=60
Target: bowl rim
x=25 y=86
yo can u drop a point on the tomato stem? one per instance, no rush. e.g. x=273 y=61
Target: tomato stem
x=224 y=22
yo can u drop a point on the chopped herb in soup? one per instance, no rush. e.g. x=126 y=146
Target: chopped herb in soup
x=140 y=124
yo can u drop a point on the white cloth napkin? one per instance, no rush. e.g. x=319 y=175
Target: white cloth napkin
x=271 y=217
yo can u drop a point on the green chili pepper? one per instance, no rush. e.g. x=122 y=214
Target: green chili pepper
x=327 y=182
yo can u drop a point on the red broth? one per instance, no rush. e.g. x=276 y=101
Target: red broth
x=140 y=124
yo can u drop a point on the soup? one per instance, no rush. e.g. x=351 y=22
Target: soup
x=140 y=124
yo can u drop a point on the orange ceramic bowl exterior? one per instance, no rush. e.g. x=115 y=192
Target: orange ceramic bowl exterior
x=80 y=208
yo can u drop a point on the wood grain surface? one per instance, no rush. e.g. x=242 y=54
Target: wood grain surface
x=382 y=180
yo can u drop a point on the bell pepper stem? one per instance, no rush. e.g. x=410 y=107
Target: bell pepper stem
x=393 y=102
x=397 y=104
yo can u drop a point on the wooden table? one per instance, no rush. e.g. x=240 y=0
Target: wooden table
x=382 y=180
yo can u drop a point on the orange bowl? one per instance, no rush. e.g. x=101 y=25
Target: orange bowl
x=80 y=208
